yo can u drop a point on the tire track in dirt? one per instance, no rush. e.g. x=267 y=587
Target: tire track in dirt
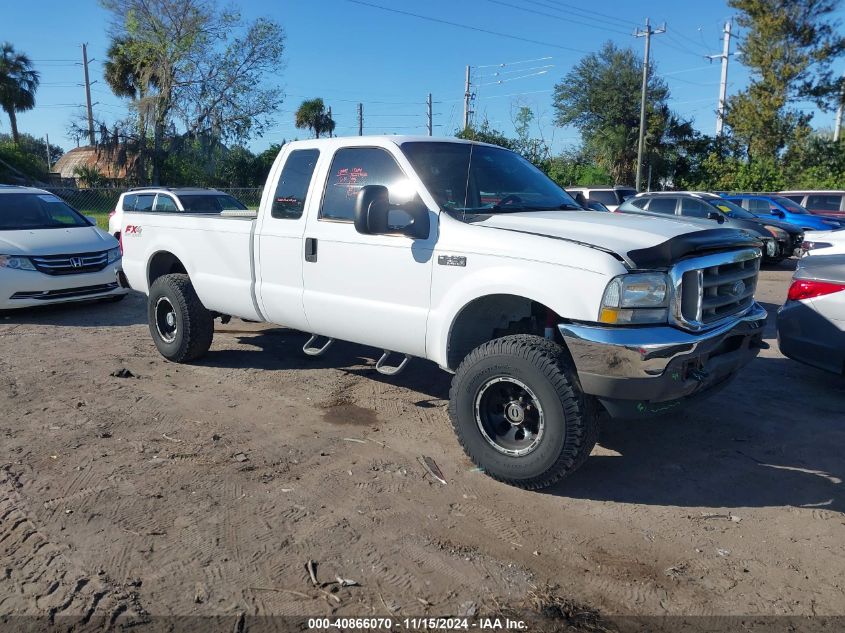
x=50 y=584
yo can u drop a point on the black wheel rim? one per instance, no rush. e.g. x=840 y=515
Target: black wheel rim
x=165 y=317
x=509 y=416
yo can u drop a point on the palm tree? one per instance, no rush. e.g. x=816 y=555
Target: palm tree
x=312 y=115
x=18 y=83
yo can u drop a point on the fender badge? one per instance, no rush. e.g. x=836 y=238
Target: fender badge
x=451 y=260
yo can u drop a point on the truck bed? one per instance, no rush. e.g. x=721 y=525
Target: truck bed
x=215 y=250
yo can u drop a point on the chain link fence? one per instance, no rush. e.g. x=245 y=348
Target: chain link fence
x=103 y=200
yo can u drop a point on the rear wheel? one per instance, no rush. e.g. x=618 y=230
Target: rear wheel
x=519 y=413
x=180 y=325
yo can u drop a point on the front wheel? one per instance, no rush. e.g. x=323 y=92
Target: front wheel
x=519 y=413
x=181 y=327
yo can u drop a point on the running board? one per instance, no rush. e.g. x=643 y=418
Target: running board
x=389 y=370
x=316 y=351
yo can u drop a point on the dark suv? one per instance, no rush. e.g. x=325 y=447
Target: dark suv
x=780 y=239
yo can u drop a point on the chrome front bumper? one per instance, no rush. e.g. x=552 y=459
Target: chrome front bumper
x=647 y=370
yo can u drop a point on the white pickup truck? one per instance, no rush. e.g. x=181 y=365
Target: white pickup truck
x=467 y=255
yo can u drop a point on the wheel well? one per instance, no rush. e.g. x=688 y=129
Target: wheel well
x=164 y=263
x=494 y=316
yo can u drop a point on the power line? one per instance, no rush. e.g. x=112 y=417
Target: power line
x=568 y=20
x=524 y=61
x=572 y=7
x=467 y=27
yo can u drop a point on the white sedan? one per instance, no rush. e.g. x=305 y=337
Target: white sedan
x=824 y=243
x=50 y=253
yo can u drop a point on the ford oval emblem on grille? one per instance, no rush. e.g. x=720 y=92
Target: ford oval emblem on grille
x=737 y=288
x=76 y=262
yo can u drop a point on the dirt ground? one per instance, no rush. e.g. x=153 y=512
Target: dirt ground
x=204 y=489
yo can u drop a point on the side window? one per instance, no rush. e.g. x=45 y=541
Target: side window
x=605 y=197
x=799 y=198
x=757 y=205
x=637 y=202
x=164 y=203
x=129 y=202
x=354 y=167
x=694 y=208
x=661 y=204
x=821 y=202
x=145 y=202
x=289 y=199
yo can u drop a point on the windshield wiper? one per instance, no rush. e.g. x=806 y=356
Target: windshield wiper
x=509 y=209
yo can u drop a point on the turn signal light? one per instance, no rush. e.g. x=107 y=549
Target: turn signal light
x=807 y=289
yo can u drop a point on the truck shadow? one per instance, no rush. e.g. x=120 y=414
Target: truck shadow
x=773 y=438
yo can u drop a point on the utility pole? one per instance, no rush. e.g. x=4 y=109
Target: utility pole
x=723 y=84
x=47 y=140
x=91 y=139
x=467 y=99
x=647 y=33
x=360 y=119
x=330 y=118
x=837 y=125
x=430 y=115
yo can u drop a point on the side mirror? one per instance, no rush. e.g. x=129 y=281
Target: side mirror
x=372 y=214
x=778 y=213
x=715 y=215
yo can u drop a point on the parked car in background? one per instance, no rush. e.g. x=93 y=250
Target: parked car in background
x=589 y=205
x=171 y=200
x=51 y=253
x=610 y=197
x=819 y=202
x=771 y=205
x=780 y=239
x=811 y=324
x=824 y=243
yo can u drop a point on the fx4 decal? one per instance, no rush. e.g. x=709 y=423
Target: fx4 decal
x=132 y=229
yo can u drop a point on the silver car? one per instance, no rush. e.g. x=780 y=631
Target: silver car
x=811 y=324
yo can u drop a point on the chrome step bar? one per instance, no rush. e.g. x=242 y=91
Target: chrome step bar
x=390 y=370
x=311 y=350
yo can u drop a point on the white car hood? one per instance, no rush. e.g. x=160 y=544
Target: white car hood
x=617 y=232
x=79 y=239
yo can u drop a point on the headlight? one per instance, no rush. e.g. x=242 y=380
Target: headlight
x=777 y=233
x=114 y=255
x=636 y=298
x=16 y=262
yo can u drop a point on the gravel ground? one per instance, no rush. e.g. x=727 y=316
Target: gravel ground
x=204 y=489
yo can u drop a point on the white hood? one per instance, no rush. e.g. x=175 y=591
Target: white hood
x=79 y=239
x=618 y=232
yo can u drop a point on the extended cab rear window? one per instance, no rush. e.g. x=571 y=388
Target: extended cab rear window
x=289 y=199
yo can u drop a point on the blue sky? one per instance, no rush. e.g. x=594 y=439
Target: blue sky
x=348 y=52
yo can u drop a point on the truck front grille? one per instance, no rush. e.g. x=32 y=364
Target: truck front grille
x=710 y=289
x=70 y=264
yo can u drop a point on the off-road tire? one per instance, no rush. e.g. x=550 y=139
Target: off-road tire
x=571 y=418
x=194 y=323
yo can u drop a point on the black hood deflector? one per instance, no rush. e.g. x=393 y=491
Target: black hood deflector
x=689 y=244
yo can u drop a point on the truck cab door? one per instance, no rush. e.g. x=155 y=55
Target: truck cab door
x=279 y=244
x=369 y=289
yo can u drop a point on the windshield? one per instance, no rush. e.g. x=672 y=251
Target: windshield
x=790 y=205
x=26 y=211
x=730 y=209
x=210 y=203
x=624 y=194
x=474 y=178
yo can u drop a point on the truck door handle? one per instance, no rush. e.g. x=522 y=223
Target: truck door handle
x=310 y=249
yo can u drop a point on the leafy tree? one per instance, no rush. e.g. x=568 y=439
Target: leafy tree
x=89 y=176
x=18 y=84
x=789 y=47
x=536 y=150
x=34 y=147
x=312 y=115
x=198 y=69
x=601 y=97
x=485 y=134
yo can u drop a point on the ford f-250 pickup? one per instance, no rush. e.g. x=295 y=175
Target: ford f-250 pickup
x=465 y=254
